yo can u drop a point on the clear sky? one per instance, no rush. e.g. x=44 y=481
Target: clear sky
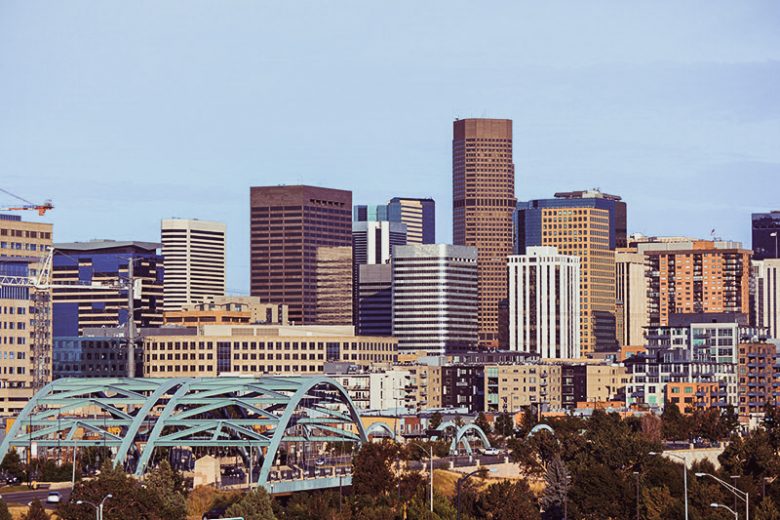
x=126 y=112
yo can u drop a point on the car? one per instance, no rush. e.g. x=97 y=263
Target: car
x=54 y=497
x=489 y=451
x=215 y=513
x=320 y=461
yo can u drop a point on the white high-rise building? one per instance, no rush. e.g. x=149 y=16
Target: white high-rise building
x=766 y=305
x=194 y=257
x=631 y=286
x=544 y=303
x=373 y=241
x=435 y=298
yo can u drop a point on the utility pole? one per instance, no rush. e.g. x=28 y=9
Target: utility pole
x=130 y=318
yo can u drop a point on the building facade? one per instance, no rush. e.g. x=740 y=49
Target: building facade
x=374 y=300
x=194 y=256
x=544 y=303
x=766 y=235
x=228 y=309
x=766 y=297
x=106 y=262
x=759 y=383
x=373 y=241
x=25 y=313
x=483 y=201
x=589 y=225
x=288 y=224
x=435 y=297
x=631 y=289
x=333 y=296
x=418 y=215
x=696 y=277
x=258 y=350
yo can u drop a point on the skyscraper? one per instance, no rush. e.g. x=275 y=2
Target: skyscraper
x=483 y=201
x=374 y=300
x=419 y=215
x=588 y=224
x=631 y=294
x=698 y=277
x=766 y=235
x=288 y=224
x=194 y=255
x=106 y=262
x=544 y=303
x=766 y=305
x=435 y=298
x=333 y=298
x=373 y=241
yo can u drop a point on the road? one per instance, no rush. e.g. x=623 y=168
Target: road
x=23 y=497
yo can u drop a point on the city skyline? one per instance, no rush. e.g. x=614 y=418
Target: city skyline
x=595 y=115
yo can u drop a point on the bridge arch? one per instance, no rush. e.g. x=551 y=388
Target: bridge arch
x=460 y=436
x=378 y=427
x=540 y=427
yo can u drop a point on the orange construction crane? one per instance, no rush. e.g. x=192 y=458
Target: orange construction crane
x=40 y=208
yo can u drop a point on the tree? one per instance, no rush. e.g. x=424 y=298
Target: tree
x=658 y=503
x=505 y=425
x=12 y=465
x=255 y=505
x=772 y=425
x=729 y=421
x=4 y=513
x=508 y=501
x=316 y=506
x=483 y=423
x=766 y=510
x=675 y=425
x=372 y=472
x=36 y=512
x=651 y=427
x=168 y=485
x=556 y=491
x=435 y=420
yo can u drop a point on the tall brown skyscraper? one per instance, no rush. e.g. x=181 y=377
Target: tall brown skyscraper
x=288 y=225
x=483 y=199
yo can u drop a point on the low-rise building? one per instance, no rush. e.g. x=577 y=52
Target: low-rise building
x=223 y=310
x=262 y=349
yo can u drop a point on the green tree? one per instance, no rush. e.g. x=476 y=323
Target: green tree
x=322 y=505
x=508 y=501
x=36 y=512
x=772 y=425
x=483 y=423
x=766 y=510
x=658 y=503
x=435 y=422
x=676 y=426
x=12 y=465
x=372 y=473
x=168 y=485
x=556 y=489
x=729 y=421
x=255 y=505
x=4 y=513
x=505 y=425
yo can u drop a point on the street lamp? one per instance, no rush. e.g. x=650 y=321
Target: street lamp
x=685 y=475
x=463 y=479
x=727 y=508
x=636 y=474
x=430 y=458
x=98 y=508
x=744 y=495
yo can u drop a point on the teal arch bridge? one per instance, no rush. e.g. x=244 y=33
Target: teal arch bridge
x=262 y=420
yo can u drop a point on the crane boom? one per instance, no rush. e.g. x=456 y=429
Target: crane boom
x=40 y=208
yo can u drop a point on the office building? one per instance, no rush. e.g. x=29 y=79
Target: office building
x=544 y=303
x=510 y=387
x=435 y=297
x=106 y=262
x=333 y=295
x=631 y=292
x=589 y=225
x=194 y=255
x=418 y=215
x=374 y=300
x=262 y=349
x=371 y=213
x=373 y=241
x=483 y=200
x=766 y=297
x=24 y=331
x=696 y=277
x=288 y=224
x=766 y=235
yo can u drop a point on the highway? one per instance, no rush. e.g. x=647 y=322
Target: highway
x=24 y=497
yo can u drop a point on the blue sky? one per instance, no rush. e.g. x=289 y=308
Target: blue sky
x=125 y=112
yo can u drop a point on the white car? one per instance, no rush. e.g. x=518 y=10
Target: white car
x=54 y=498
x=489 y=451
